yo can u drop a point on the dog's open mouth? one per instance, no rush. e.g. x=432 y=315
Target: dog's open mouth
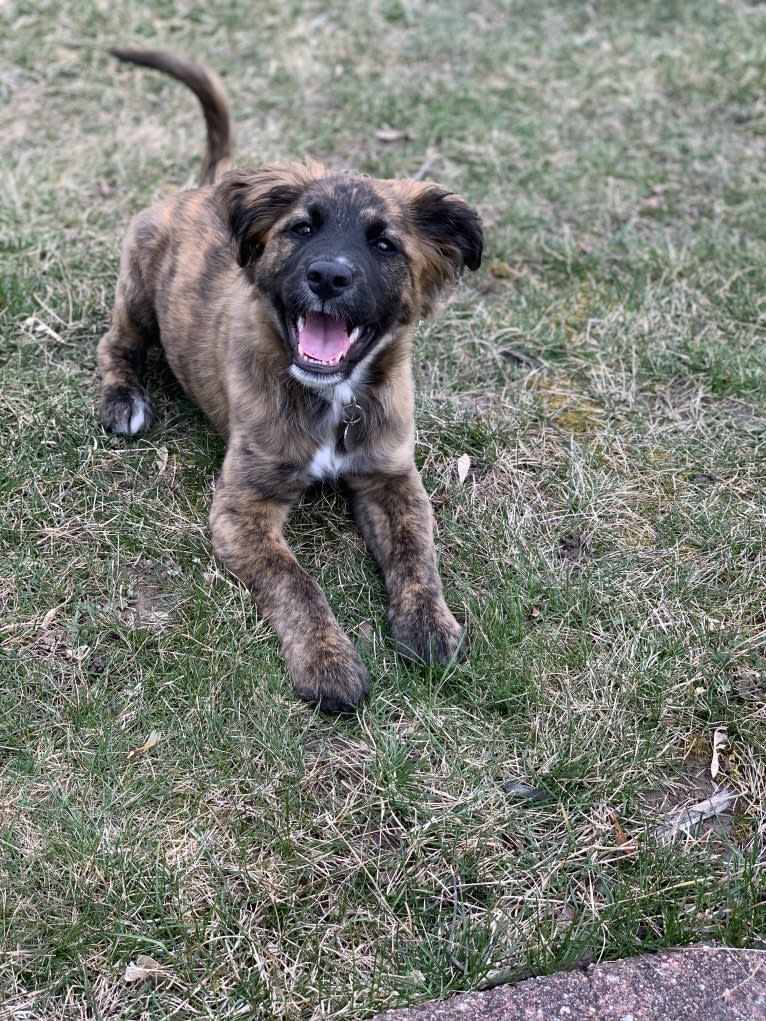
x=324 y=341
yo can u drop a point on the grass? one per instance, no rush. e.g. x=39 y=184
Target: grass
x=605 y=373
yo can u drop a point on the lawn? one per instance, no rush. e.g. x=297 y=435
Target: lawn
x=164 y=798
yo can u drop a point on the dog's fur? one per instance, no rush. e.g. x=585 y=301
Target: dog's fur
x=245 y=281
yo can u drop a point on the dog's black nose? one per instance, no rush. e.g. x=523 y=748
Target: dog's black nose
x=328 y=277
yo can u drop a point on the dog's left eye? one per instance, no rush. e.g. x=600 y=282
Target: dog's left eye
x=384 y=245
x=302 y=228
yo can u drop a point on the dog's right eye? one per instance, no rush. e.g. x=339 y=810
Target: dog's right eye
x=302 y=228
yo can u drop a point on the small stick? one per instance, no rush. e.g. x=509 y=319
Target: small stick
x=425 y=166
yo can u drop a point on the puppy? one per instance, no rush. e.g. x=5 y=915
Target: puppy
x=286 y=299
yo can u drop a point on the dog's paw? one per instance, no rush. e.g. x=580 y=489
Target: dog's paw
x=427 y=632
x=328 y=673
x=125 y=409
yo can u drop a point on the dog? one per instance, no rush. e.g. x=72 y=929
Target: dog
x=286 y=299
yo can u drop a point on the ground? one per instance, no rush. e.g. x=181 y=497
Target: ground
x=604 y=373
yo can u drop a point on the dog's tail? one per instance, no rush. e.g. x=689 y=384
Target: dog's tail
x=208 y=89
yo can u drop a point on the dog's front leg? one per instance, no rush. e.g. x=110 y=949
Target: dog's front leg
x=395 y=517
x=247 y=535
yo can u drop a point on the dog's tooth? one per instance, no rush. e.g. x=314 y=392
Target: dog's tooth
x=354 y=335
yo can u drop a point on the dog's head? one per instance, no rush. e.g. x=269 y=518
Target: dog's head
x=345 y=260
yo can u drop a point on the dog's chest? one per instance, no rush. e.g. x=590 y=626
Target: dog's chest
x=333 y=458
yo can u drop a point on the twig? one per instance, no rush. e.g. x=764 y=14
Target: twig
x=425 y=166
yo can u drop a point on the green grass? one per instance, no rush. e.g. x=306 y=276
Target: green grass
x=605 y=372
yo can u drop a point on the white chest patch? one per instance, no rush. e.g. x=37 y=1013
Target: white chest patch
x=327 y=463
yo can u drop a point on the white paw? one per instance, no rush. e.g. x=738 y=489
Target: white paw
x=139 y=419
x=125 y=410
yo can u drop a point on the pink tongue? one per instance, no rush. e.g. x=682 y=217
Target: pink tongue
x=323 y=337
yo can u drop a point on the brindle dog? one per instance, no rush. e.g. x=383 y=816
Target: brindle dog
x=286 y=299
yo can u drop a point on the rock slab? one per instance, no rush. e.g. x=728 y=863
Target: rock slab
x=695 y=984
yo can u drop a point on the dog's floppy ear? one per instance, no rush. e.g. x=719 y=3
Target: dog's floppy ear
x=253 y=201
x=448 y=235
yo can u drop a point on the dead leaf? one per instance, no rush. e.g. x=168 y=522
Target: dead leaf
x=79 y=654
x=463 y=467
x=144 y=969
x=720 y=742
x=147 y=746
x=162 y=460
x=519 y=789
x=627 y=845
x=534 y=613
x=651 y=204
x=105 y=189
x=391 y=135
x=366 y=635
x=686 y=820
x=47 y=620
x=567 y=912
